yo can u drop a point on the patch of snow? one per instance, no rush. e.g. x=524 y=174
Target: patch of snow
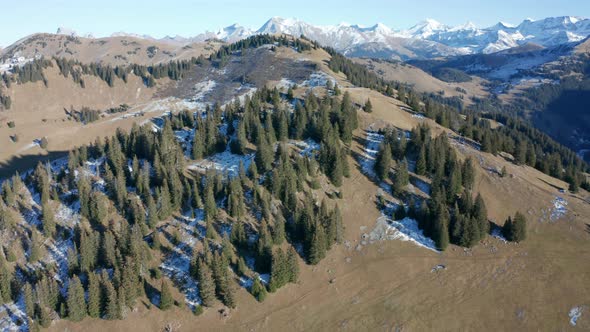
x=404 y=230
x=67 y=215
x=264 y=278
x=176 y=265
x=367 y=158
x=318 y=79
x=575 y=314
x=559 y=208
x=285 y=83
x=14 y=317
x=202 y=89
x=306 y=148
x=224 y=161
x=58 y=253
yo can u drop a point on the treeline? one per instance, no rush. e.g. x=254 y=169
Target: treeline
x=511 y=138
x=87 y=115
x=29 y=72
x=175 y=70
x=256 y=41
x=528 y=145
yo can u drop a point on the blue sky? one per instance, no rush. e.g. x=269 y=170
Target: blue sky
x=188 y=18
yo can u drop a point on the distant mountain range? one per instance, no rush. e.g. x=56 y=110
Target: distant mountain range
x=425 y=40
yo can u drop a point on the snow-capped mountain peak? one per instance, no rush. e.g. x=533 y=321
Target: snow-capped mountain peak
x=425 y=29
x=428 y=38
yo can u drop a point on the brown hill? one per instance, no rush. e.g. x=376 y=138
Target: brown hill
x=112 y=50
x=424 y=82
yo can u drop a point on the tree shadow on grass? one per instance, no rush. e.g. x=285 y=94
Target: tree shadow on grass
x=24 y=163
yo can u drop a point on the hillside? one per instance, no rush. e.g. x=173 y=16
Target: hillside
x=110 y=50
x=268 y=212
x=423 y=82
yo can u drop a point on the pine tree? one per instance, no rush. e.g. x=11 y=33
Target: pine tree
x=206 y=284
x=383 y=162
x=468 y=174
x=227 y=290
x=337 y=168
x=166 y=300
x=520 y=153
x=258 y=290
x=6 y=279
x=43 y=314
x=279 y=271
x=29 y=300
x=210 y=204
x=317 y=247
x=292 y=265
x=401 y=178
x=441 y=222
x=48 y=220
x=35 y=247
x=515 y=230
x=421 y=162
x=94 y=296
x=8 y=194
x=196 y=201
x=480 y=215
x=76 y=302
x=368 y=106
x=152 y=210
x=111 y=305
x=264 y=156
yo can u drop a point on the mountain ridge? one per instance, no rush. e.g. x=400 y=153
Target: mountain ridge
x=426 y=39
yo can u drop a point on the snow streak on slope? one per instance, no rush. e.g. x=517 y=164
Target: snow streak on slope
x=367 y=159
x=176 y=265
x=403 y=230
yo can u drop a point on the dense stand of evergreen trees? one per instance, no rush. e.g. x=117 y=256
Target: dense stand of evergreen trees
x=517 y=137
x=144 y=182
x=452 y=215
x=221 y=56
